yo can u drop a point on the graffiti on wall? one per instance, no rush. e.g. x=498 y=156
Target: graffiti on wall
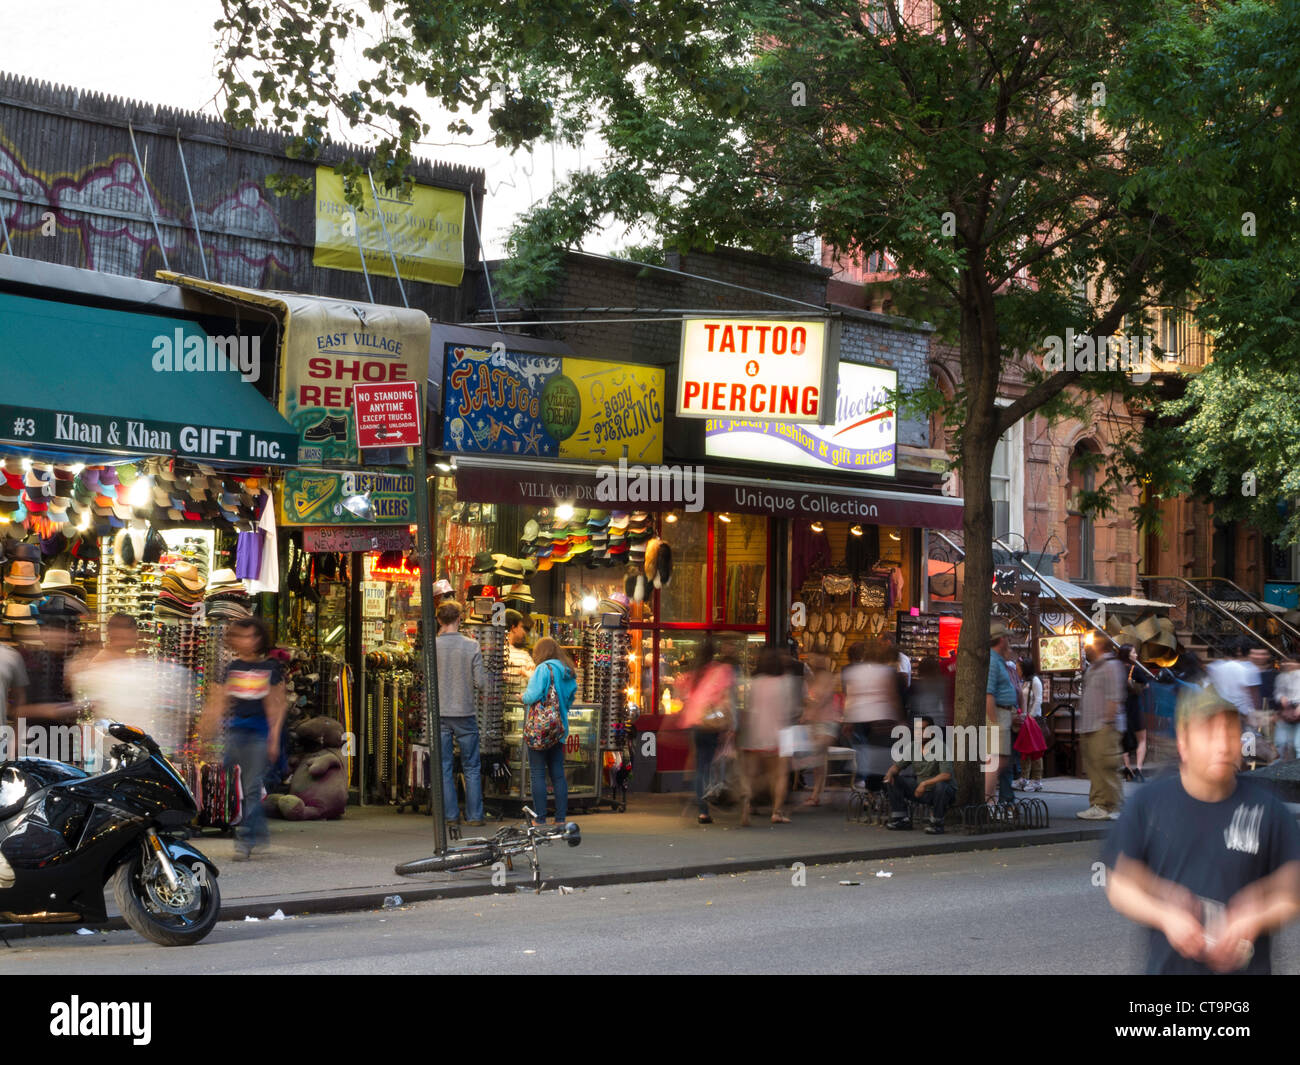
x=106 y=205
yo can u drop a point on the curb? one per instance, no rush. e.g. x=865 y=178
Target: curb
x=346 y=901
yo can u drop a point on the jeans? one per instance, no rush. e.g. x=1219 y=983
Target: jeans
x=706 y=746
x=1286 y=734
x=541 y=764
x=465 y=731
x=902 y=788
x=247 y=749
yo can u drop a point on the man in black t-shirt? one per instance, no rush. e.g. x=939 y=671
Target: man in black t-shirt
x=1209 y=861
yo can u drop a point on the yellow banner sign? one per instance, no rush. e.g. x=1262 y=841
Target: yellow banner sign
x=426 y=229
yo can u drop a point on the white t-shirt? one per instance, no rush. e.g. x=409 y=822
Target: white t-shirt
x=1231 y=679
x=13 y=674
x=138 y=691
x=870 y=692
x=1035 y=701
x=905 y=667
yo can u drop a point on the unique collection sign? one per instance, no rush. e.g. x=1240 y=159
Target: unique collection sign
x=425 y=230
x=328 y=497
x=862 y=439
x=510 y=402
x=757 y=368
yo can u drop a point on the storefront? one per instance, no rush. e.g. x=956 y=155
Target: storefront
x=134 y=482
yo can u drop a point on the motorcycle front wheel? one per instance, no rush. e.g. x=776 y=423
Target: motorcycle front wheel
x=158 y=912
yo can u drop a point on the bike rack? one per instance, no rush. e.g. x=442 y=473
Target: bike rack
x=981 y=818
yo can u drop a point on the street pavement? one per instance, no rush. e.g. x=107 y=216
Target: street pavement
x=1027 y=911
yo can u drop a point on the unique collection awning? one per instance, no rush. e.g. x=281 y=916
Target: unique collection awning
x=87 y=379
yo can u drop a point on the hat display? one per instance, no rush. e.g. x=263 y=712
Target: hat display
x=56 y=578
x=22 y=572
x=16 y=613
x=224 y=580
x=188 y=574
x=484 y=562
x=521 y=593
x=442 y=587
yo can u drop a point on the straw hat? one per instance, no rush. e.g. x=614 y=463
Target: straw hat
x=187 y=573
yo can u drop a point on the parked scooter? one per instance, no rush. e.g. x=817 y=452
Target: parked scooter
x=64 y=834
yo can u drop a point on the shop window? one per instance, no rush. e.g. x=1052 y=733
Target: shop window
x=685 y=597
x=740 y=569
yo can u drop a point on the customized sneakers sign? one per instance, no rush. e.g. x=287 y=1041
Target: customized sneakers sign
x=783 y=371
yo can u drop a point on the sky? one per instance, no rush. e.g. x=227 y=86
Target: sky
x=163 y=52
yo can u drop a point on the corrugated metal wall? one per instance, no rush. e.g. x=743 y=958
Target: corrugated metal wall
x=70 y=193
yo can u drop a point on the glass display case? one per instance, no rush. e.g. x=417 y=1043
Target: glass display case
x=581 y=756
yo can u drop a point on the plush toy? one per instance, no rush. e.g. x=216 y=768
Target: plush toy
x=318 y=789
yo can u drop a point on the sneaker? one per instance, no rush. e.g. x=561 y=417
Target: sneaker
x=901 y=824
x=934 y=828
x=1137 y=773
x=1094 y=813
x=1021 y=785
x=1128 y=773
x=1112 y=815
x=1034 y=785
x=476 y=824
x=242 y=853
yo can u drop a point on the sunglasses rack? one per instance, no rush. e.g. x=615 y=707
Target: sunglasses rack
x=489 y=704
x=129 y=590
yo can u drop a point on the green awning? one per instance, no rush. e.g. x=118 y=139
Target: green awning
x=118 y=382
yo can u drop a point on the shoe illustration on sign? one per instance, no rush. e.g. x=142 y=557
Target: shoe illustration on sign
x=331 y=427
x=314 y=492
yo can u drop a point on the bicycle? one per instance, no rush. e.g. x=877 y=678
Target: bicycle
x=504 y=846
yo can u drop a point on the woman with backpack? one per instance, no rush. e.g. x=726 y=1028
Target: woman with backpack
x=546 y=700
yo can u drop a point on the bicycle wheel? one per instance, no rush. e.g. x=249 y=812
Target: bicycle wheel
x=449 y=862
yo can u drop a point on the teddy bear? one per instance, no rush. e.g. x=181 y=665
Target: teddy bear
x=318 y=789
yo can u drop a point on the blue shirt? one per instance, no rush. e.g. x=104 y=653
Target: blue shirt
x=566 y=687
x=1000 y=686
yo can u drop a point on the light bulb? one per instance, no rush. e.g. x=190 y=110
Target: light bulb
x=77 y=467
x=84 y=523
x=894 y=536
x=856 y=530
x=140 y=493
x=725 y=517
x=27 y=465
x=818 y=527
x=670 y=517
x=589 y=602
x=564 y=511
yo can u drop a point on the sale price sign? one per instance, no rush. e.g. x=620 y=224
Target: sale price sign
x=388 y=415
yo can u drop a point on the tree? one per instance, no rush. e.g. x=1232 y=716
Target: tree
x=987 y=144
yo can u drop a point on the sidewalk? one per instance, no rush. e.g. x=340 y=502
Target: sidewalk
x=333 y=866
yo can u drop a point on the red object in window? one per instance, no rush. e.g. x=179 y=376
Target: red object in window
x=949 y=631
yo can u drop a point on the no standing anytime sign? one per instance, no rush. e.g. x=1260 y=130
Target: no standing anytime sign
x=388 y=415
x=781 y=371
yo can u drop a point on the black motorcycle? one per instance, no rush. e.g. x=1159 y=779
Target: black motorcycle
x=64 y=834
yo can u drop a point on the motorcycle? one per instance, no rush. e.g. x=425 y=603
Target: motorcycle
x=64 y=834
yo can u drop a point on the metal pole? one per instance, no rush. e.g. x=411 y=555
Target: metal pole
x=487 y=274
x=139 y=169
x=198 y=234
x=382 y=225
x=361 y=253
x=4 y=231
x=426 y=551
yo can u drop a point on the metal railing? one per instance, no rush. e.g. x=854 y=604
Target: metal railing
x=1204 y=618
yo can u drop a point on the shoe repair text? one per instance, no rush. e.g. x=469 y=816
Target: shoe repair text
x=133 y=1020
x=951 y=743
x=208 y=354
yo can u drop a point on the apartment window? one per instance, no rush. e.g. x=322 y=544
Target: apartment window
x=1007 y=483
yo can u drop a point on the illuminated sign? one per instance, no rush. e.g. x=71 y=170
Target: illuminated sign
x=757 y=368
x=862 y=439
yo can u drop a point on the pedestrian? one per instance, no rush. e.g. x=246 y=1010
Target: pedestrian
x=49 y=708
x=554 y=669
x=460 y=675
x=1099 y=709
x=1286 y=695
x=709 y=711
x=927 y=697
x=1208 y=860
x=871 y=709
x=1001 y=700
x=249 y=701
x=1031 y=776
x=771 y=706
x=929 y=782
x=822 y=716
x=1237 y=679
x=519 y=660
x=13 y=690
x=1133 y=729
x=904 y=663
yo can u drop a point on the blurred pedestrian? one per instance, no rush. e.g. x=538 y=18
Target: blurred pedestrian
x=871 y=709
x=709 y=711
x=771 y=706
x=249 y=700
x=926 y=696
x=1286 y=696
x=822 y=717
x=49 y=708
x=1208 y=860
x=1104 y=691
x=554 y=669
x=1133 y=729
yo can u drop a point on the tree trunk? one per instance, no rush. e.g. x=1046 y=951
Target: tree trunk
x=981 y=363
